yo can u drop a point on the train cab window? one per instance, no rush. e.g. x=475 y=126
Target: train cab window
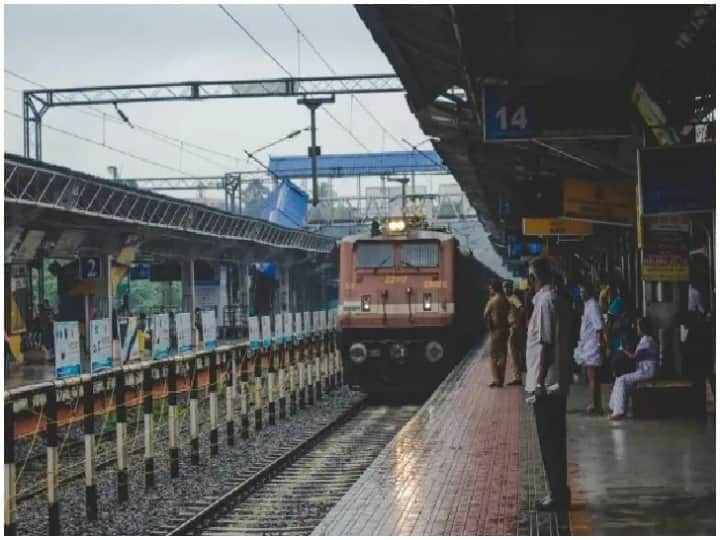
x=419 y=254
x=374 y=255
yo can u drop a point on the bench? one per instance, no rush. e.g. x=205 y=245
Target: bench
x=663 y=398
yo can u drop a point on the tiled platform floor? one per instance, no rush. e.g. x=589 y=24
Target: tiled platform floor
x=453 y=470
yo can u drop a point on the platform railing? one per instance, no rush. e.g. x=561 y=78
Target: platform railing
x=139 y=404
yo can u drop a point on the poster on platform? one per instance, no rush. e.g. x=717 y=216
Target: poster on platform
x=332 y=319
x=67 y=349
x=254 y=333
x=160 y=336
x=266 y=331
x=209 y=330
x=298 y=325
x=323 y=320
x=316 y=322
x=100 y=344
x=287 y=327
x=278 y=333
x=307 y=324
x=183 y=331
x=128 y=332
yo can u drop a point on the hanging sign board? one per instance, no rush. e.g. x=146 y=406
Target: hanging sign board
x=89 y=267
x=555 y=111
x=67 y=349
x=288 y=327
x=665 y=254
x=160 y=336
x=555 y=227
x=183 y=331
x=677 y=179
x=100 y=345
x=266 y=331
x=599 y=202
x=209 y=330
x=128 y=332
x=254 y=333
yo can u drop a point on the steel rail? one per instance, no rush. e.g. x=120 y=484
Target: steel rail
x=258 y=479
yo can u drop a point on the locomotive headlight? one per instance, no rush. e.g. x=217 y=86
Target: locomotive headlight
x=427 y=302
x=365 y=302
x=434 y=352
x=358 y=353
x=396 y=225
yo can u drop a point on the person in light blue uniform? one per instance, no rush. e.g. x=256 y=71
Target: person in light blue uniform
x=646 y=354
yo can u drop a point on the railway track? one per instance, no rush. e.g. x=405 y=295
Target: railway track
x=295 y=490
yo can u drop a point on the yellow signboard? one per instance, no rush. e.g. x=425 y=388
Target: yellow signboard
x=665 y=267
x=555 y=227
x=600 y=202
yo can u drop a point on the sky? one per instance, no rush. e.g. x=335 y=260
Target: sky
x=87 y=45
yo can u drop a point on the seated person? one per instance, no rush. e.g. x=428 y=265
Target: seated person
x=646 y=355
x=621 y=336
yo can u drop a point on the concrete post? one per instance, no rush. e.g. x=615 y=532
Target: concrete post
x=89 y=432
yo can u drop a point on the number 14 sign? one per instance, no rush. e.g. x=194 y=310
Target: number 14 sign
x=505 y=114
x=555 y=111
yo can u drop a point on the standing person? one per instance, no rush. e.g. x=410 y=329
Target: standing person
x=496 y=315
x=516 y=321
x=646 y=355
x=588 y=352
x=548 y=379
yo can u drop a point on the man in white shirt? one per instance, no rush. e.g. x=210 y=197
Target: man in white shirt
x=548 y=377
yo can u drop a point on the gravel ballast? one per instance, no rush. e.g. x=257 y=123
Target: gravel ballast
x=148 y=511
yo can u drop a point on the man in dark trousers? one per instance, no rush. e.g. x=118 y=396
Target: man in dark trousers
x=548 y=378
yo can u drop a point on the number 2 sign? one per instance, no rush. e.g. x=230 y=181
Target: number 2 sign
x=89 y=267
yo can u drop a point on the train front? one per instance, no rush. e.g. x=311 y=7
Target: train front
x=396 y=309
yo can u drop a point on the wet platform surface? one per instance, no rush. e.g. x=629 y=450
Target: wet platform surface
x=452 y=470
x=642 y=476
x=469 y=464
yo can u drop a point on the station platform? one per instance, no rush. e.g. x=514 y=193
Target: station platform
x=469 y=464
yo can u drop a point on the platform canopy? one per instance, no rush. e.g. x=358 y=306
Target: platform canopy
x=369 y=164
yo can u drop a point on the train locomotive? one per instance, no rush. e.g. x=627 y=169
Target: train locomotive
x=410 y=306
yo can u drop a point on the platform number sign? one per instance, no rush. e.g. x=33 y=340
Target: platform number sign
x=89 y=267
x=555 y=111
x=506 y=114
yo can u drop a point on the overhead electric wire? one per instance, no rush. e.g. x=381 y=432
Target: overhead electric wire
x=103 y=145
x=164 y=137
x=288 y=73
x=334 y=72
